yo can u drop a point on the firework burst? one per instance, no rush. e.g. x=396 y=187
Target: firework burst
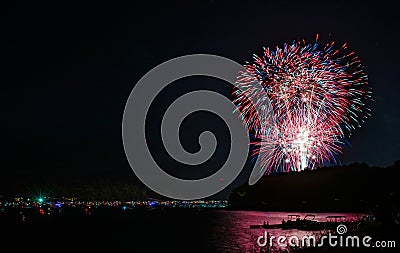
x=316 y=96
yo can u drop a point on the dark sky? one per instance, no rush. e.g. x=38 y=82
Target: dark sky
x=69 y=68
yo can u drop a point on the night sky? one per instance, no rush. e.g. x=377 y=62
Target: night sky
x=69 y=68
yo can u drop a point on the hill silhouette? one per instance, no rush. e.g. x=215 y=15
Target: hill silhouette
x=350 y=188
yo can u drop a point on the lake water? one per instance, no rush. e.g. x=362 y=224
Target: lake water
x=175 y=230
x=232 y=231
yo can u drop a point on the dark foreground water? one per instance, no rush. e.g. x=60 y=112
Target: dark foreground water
x=176 y=230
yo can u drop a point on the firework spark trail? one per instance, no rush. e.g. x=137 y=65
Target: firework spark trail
x=317 y=96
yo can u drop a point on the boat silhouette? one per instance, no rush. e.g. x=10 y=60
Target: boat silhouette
x=294 y=221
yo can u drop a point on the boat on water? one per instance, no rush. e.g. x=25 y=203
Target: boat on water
x=334 y=220
x=294 y=221
x=290 y=221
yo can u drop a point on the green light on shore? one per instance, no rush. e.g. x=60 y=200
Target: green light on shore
x=40 y=200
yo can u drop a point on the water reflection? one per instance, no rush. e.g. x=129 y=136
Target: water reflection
x=232 y=231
